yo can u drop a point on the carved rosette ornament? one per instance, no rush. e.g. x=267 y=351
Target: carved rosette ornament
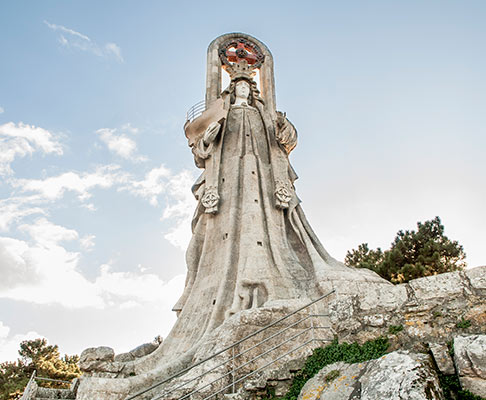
x=210 y=200
x=283 y=194
x=233 y=51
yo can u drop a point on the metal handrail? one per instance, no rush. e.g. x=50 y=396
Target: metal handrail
x=195 y=111
x=240 y=367
x=233 y=346
x=27 y=390
x=236 y=356
x=51 y=380
x=259 y=369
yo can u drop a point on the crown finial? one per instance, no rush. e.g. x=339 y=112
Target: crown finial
x=241 y=58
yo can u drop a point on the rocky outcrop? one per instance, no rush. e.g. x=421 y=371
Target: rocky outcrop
x=419 y=316
x=101 y=362
x=138 y=352
x=440 y=353
x=400 y=375
x=426 y=310
x=470 y=361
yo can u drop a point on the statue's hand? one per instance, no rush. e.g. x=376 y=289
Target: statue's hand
x=211 y=132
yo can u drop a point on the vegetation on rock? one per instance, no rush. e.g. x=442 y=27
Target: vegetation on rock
x=452 y=389
x=39 y=356
x=463 y=323
x=334 y=352
x=394 y=329
x=413 y=254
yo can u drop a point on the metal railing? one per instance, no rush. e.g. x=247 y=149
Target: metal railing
x=195 y=111
x=32 y=386
x=29 y=389
x=235 y=374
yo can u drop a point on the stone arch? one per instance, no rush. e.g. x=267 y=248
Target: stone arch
x=213 y=71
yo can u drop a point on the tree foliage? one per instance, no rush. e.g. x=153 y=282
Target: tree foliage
x=413 y=254
x=35 y=355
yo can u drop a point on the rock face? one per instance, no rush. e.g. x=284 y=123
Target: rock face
x=440 y=352
x=137 y=352
x=470 y=360
x=99 y=361
x=428 y=309
x=400 y=375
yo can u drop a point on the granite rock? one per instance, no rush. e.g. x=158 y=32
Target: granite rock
x=400 y=375
x=470 y=360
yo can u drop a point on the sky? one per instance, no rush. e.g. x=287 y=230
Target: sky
x=388 y=98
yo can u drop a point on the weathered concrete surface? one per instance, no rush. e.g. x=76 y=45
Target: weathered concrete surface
x=470 y=361
x=400 y=375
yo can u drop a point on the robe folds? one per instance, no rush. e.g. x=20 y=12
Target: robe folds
x=252 y=245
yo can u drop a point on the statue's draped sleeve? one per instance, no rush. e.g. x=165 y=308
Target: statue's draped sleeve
x=286 y=134
x=201 y=151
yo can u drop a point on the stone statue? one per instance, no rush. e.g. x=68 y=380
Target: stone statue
x=252 y=247
x=251 y=243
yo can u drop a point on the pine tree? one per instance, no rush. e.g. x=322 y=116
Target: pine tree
x=39 y=356
x=413 y=254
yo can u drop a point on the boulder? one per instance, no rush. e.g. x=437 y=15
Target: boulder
x=144 y=349
x=102 y=353
x=470 y=360
x=138 y=352
x=400 y=375
x=99 y=361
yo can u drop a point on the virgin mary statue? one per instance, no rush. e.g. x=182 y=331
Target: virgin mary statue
x=252 y=250
x=251 y=245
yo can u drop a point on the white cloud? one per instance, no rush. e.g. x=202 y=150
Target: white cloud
x=87 y=242
x=73 y=39
x=136 y=288
x=53 y=188
x=9 y=345
x=21 y=140
x=180 y=208
x=14 y=209
x=114 y=49
x=120 y=143
x=48 y=234
x=154 y=183
x=2 y=110
x=179 y=200
x=42 y=271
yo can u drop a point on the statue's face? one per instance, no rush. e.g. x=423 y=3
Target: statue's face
x=242 y=89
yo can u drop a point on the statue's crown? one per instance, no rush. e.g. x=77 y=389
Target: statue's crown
x=240 y=70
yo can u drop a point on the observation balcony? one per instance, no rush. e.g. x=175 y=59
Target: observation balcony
x=195 y=111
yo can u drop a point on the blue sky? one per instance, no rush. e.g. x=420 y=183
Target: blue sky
x=388 y=98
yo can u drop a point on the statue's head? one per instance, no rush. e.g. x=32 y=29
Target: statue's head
x=244 y=88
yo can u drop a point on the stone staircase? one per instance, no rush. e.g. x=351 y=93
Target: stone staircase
x=276 y=381
x=47 y=393
x=35 y=392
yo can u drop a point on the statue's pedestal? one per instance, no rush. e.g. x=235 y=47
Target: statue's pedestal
x=291 y=338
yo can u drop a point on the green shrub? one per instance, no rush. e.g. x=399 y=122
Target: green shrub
x=394 y=329
x=463 y=323
x=452 y=389
x=334 y=352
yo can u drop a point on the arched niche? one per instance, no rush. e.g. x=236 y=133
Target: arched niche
x=214 y=70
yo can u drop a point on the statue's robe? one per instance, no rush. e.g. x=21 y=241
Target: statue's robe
x=251 y=248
